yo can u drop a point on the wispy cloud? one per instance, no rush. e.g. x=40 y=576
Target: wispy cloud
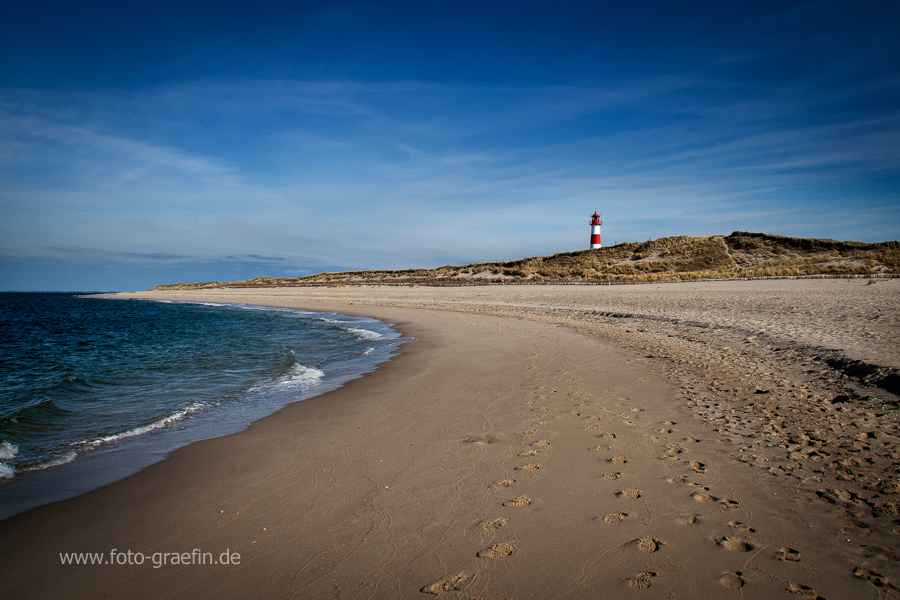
x=360 y=174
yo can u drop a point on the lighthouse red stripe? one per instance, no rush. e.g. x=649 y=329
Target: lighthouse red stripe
x=595 y=238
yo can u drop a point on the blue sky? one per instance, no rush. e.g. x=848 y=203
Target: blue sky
x=219 y=141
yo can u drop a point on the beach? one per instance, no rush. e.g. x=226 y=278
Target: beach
x=687 y=440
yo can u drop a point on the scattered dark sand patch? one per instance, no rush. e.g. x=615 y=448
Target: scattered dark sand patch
x=519 y=501
x=615 y=517
x=735 y=544
x=642 y=581
x=498 y=550
x=451 y=584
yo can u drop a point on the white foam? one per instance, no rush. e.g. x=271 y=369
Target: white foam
x=368 y=351
x=7 y=451
x=364 y=334
x=55 y=461
x=301 y=377
x=164 y=422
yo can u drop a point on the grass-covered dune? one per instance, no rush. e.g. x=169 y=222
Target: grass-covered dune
x=679 y=258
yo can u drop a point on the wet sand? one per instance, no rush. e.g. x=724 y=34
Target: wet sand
x=692 y=440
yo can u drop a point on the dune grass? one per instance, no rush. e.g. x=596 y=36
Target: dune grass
x=679 y=258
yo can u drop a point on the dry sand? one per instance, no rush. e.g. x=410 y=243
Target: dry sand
x=692 y=440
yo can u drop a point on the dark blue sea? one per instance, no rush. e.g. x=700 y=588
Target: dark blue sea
x=95 y=389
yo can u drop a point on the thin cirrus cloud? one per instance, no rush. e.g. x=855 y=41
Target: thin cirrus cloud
x=357 y=174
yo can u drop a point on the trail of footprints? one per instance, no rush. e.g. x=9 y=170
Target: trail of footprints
x=539 y=416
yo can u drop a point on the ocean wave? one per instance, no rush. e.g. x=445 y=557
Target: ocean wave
x=7 y=451
x=159 y=424
x=54 y=462
x=297 y=378
x=363 y=334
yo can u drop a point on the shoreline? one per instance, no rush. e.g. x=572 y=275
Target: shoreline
x=417 y=475
x=108 y=463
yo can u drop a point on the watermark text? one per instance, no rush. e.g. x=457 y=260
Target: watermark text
x=157 y=559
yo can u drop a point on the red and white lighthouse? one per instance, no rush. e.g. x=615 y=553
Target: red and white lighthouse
x=595 y=231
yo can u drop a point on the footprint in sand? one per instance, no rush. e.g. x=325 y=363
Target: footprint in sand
x=649 y=545
x=801 y=590
x=642 y=581
x=540 y=443
x=615 y=517
x=617 y=460
x=876 y=579
x=697 y=466
x=494 y=525
x=611 y=476
x=593 y=427
x=703 y=497
x=735 y=544
x=451 y=584
x=498 y=550
x=529 y=453
x=677 y=479
x=729 y=503
x=788 y=554
x=520 y=501
x=544 y=423
x=630 y=494
x=686 y=519
x=529 y=432
x=504 y=484
x=609 y=436
x=529 y=467
x=740 y=526
x=603 y=447
x=732 y=580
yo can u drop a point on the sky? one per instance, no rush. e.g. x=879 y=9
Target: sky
x=162 y=142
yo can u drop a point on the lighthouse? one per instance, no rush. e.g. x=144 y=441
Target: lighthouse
x=595 y=231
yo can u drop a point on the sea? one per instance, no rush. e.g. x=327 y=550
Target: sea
x=94 y=389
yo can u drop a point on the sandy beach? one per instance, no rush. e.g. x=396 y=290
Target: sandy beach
x=692 y=440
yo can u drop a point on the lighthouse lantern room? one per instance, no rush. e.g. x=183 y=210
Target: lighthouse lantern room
x=595 y=231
